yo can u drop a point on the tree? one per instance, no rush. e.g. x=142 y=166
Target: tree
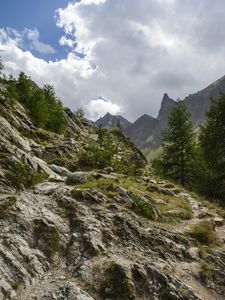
x=1 y=66
x=178 y=146
x=24 y=89
x=212 y=142
x=56 y=121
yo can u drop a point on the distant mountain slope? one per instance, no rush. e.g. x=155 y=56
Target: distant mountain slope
x=110 y=121
x=199 y=102
x=146 y=131
x=139 y=130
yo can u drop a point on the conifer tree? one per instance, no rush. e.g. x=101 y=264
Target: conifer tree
x=212 y=142
x=178 y=149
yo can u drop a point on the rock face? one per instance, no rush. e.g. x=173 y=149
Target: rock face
x=140 y=129
x=95 y=235
x=110 y=121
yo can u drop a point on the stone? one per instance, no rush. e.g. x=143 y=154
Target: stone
x=77 y=177
x=60 y=170
x=218 y=221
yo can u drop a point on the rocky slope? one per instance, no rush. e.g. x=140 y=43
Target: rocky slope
x=96 y=234
x=110 y=121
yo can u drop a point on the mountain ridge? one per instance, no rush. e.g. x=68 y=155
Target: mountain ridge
x=147 y=135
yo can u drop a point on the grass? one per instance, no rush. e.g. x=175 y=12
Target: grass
x=7 y=204
x=144 y=208
x=116 y=285
x=204 y=233
x=50 y=239
x=21 y=175
x=104 y=185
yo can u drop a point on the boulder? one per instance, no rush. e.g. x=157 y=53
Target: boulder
x=77 y=177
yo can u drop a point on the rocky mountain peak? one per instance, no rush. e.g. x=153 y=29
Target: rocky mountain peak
x=166 y=105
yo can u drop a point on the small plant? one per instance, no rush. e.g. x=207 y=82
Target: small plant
x=144 y=208
x=38 y=178
x=207 y=269
x=21 y=175
x=116 y=284
x=48 y=239
x=204 y=233
x=6 y=205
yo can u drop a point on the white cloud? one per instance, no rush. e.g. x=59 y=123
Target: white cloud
x=33 y=36
x=26 y=36
x=134 y=51
x=99 y=107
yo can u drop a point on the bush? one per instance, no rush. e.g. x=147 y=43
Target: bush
x=6 y=205
x=48 y=239
x=21 y=175
x=204 y=233
x=144 y=208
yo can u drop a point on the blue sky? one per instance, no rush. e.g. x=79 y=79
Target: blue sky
x=35 y=14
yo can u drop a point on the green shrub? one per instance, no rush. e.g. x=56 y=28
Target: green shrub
x=116 y=284
x=38 y=178
x=204 y=233
x=21 y=175
x=144 y=208
x=50 y=239
x=6 y=205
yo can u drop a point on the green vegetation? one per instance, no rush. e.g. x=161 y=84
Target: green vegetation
x=48 y=239
x=111 y=149
x=212 y=144
x=197 y=163
x=144 y=207
x=70 y=212
x=21 y=175
x=44 y=108
x=6 y=205
x=1 y=66
x=116 y=285
x=176 y=161
x=204 y=233
x=175 y=209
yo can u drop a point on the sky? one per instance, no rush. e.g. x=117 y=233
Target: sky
x=117 y=56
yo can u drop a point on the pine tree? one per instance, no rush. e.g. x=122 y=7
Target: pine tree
x=212 y=142
x=178 y=149
x=1 y=66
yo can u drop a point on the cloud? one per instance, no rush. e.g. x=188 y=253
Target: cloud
x=99 y=107
x=33 y=37
x=27 y=38
x=131 y=52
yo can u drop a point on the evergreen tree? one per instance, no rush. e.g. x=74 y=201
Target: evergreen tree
x=1 y=66
x=24 y=89
x=56 y=121
x=178 y=149
x=212 y=142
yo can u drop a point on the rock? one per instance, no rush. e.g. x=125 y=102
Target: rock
x=218 y=221
x=72 y=292
x=166 y=191
x=108 y=170
x=60 y=170
x=77 y=177
x=123 y=192
x=160 y=201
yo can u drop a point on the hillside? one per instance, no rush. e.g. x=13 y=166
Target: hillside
x=73 y=231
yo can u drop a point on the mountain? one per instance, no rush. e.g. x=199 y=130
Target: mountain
x=110 y=121
x=140 y=129
x=71 y=229
x=146 y=131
